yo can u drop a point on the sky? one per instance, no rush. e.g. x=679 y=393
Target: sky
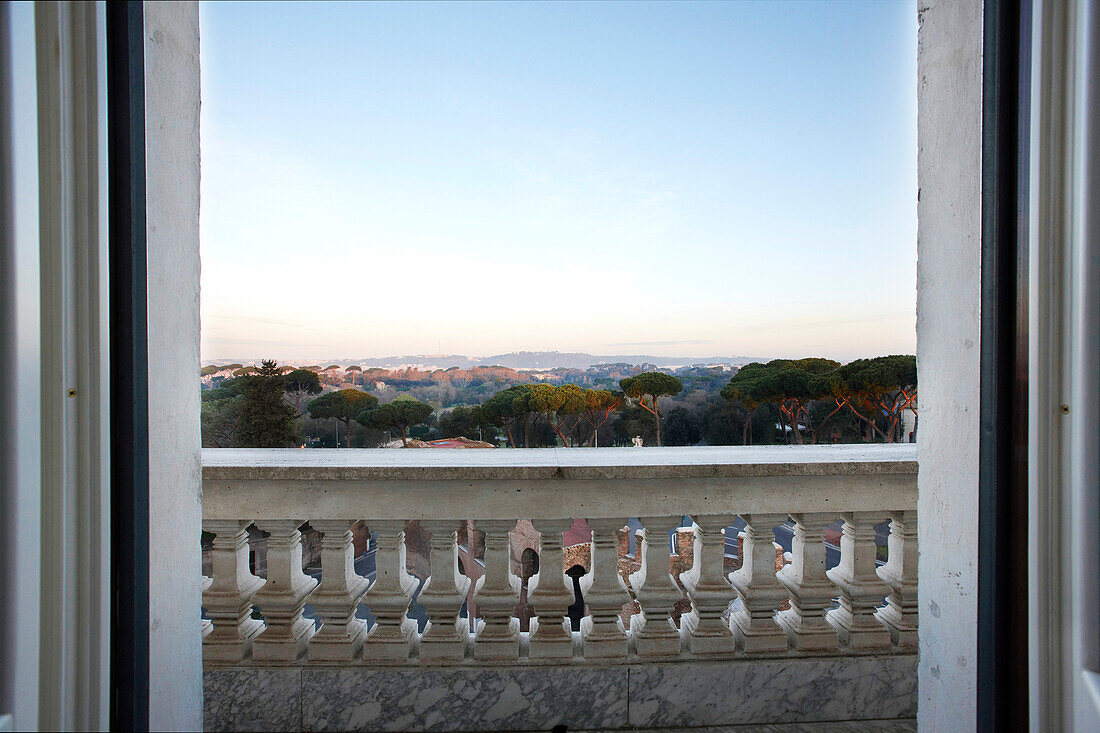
x=676 y=179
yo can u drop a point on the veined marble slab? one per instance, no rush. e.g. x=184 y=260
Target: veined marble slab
x=781 y=692
x=773 y=691
x=463 y=700
x=847 y=726
x=252 y=699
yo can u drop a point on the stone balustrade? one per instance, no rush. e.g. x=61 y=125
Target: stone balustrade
x=859 y=606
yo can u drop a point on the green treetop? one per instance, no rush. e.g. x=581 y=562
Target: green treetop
x=264 y=419
x=557 y=404
x=599 y=406
x=343 y=406
x=507 y=408
x=884 y=387
x=399 y=415
x=651 y=385
x=298 y=383
x=789 y=384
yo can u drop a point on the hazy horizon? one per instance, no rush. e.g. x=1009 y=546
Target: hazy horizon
x=487 y=359
x=614 y=179
x=331 y=359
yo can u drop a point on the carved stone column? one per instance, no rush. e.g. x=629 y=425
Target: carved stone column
x=281 y=599
x=551 y=594
x=228 y=598
x=761 y=594
x=499 y=636
x=712 y=592
x=388 y=597
x=811 y=591
x=900 y=573
x=341 y=635
x=607 y=593
x=861 y=589
x=442 y=595
x=658 y=637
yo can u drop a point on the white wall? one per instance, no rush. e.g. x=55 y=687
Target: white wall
x=175 y=513
x=948 y=301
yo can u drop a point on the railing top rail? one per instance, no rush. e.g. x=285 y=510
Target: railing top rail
x=545 y=483
x=475 y=464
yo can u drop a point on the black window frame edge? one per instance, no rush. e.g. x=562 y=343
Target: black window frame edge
x=129 y=381
x=1002 y=623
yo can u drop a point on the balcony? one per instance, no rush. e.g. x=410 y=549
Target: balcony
x=701 y=631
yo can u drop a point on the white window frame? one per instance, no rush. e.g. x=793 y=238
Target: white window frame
x=1064 y=389
x=58 y=350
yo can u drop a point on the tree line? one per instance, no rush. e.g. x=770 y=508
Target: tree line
x=874 y=391
x=262 y=408
x=810 y=400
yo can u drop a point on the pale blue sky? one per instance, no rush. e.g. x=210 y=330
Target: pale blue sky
x=668 y=178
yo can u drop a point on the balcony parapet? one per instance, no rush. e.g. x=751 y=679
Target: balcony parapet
x=555 y=483
x=762 y=608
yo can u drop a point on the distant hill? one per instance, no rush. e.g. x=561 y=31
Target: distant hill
x=535 y=360
x=551 y=359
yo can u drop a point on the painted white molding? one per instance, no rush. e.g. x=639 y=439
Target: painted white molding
x=1063 y=395
x=1047 y=230
x=75 y=498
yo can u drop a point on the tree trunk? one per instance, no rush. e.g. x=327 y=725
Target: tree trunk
x=657 y=417
x=810 y=425
x=827 y=418
x=891 y=429
x=508 y=432
x=557 y=429
x=794 y=426
x=746 y=432
x=404 y=440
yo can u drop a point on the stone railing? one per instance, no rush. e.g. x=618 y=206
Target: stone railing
x=635 y=608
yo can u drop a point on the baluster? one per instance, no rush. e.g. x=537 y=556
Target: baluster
x=606 y=593
x=281 y=599
x=389 y=595
x=551 y=593
x=659 y=636
x=861 y=590
x=900 y=573
x=495 y=596
x=207 y=626
x=228 y=599
x=341 y=634
x=711 y=593
x=811 y=591
x=442 y=594
x=760 y=592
